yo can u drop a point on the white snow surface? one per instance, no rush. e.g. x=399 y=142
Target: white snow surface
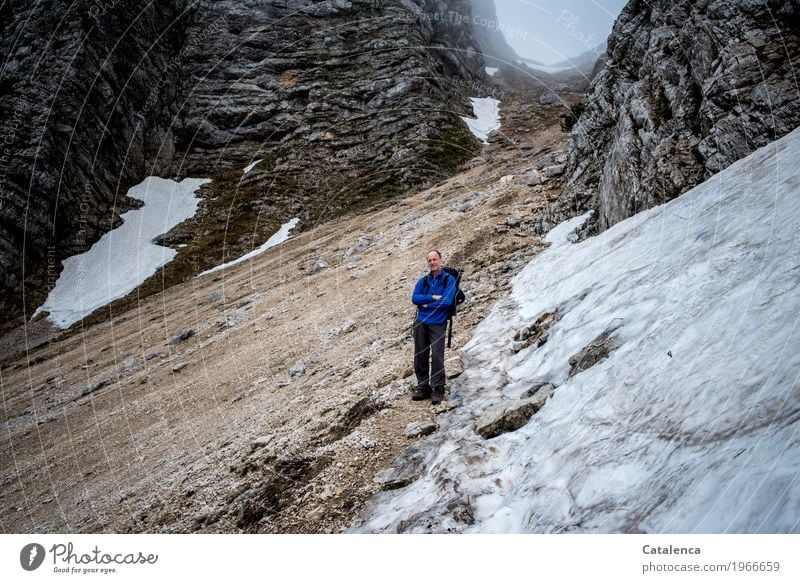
x=549 y=69
x=491 y=71
x=124 y=257
x=252 y=165
x=487 y=117
x=703 y=441
x=545 y=68
x=276 y=239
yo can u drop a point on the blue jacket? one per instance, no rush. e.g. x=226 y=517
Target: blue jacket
x=430 y=311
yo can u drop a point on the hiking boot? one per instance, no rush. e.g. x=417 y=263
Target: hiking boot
x=437 y=396
x=420 y=394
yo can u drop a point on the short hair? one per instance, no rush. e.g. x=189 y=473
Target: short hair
x=433 y=251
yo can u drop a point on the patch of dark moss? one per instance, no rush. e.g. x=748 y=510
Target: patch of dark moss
x=453 y=146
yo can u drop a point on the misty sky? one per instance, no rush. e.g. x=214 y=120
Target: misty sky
x=550 y=31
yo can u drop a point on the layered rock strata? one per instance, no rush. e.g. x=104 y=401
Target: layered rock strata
x=75 y=80
x=688 y=88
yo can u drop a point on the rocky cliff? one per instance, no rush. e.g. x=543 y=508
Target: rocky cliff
x=74 y=78
x=688 y=88
x=490 y=34
x=347 y=103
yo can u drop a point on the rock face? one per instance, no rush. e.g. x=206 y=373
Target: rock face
x=347 y=102
x=349 y=93
x=688 y=88
x=597 y=350
x=489 y=34
x=74 y=82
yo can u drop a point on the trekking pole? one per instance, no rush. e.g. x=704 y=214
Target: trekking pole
x=450 y=334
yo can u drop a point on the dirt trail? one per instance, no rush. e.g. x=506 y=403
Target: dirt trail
x=292 y=390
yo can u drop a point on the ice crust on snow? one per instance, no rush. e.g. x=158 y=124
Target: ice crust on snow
x=124 y=257
x=487 y=117
x=690 y=425
x=276 y=239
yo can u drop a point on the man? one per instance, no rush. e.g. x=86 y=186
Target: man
x=433 y=295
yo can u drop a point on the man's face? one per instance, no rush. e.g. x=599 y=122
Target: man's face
x=434 y=261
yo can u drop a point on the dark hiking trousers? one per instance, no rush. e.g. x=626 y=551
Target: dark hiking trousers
x=429 y=355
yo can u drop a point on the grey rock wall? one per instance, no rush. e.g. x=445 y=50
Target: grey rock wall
x=688 y=88
x=74 y=78
x=489 y=34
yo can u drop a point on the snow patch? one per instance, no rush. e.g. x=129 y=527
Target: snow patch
x=487 y=117
x=124 y=257
x=546 y=68
x=550 y=69
x=491 y=71
x=249 y=167
x=276 y=239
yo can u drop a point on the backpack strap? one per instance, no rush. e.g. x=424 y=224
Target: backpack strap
x=426 y=287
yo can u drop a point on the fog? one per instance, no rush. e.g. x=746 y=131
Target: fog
x=550 y=31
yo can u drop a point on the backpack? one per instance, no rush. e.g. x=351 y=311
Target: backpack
x=459 y=298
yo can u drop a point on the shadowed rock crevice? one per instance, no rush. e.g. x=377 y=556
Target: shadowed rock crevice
x=352 y=418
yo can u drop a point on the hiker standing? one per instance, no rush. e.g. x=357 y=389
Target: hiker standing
x=433 y=295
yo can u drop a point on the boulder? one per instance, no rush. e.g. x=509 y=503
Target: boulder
x=419 y=429
x=530 y=178
x=404 y=469
x=298 y=369
x=509 y=416
x=553 y=171
x=536 y=333
x=262 y=441
x=597 y=350
x=185 y=335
